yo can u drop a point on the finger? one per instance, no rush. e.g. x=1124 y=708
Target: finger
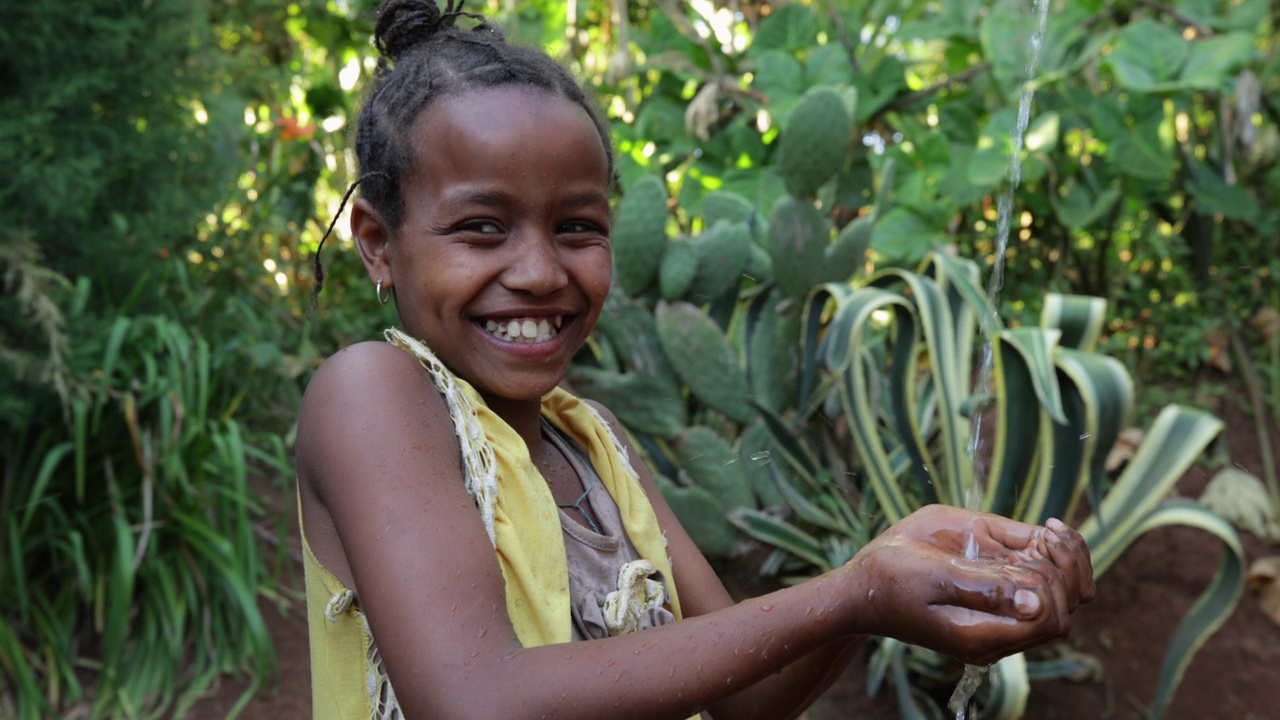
x=1006 y=591
x=982 y=638
x=1072 y=554
x=1055 y=590
x=1010 y=534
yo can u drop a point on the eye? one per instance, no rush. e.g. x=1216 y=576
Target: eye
x=582 y=228
x=480 y=226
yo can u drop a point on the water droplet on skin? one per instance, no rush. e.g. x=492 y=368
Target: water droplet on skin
x=871 y=595
x=766 y=608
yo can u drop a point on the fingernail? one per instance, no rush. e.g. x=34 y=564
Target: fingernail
x=1056 y=525
x=1027 y=602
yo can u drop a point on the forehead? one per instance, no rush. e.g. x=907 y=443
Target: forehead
x=505 y=127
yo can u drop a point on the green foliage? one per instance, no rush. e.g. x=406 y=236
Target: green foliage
x=162 y=179
x=131 y=525
x=894 y=350
x=171 y=164
x=1153 y=141
x=107 y=162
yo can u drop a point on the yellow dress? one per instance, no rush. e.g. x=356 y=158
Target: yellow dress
x=521 y=517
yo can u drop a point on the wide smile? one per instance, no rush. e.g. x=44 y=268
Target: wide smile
x=525 y=330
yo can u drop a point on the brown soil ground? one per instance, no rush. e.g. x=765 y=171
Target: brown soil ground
x=1141 y=599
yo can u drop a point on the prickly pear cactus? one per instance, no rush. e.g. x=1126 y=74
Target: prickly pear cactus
x=635 y=379
x=722 y=252
x=848 y=254
x=639 y=233
x=679 y=265
x=703 y=359
x=814 y=142
x=799 y=237
x=702 y=516
x=711 y=463
x=725 y=205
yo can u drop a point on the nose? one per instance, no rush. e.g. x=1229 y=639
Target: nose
x=535 y=266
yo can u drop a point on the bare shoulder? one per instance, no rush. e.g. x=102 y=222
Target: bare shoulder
x=364 y=396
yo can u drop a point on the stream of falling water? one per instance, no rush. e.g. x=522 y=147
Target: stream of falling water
x=961 y=698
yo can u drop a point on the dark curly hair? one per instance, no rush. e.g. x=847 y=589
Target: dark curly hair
x=424 y=56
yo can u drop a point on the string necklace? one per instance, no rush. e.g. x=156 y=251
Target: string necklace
x=552 y=434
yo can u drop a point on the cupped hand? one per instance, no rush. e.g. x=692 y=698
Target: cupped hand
x=972 y=585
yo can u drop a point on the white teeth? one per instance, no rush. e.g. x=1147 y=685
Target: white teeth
x=525 y=330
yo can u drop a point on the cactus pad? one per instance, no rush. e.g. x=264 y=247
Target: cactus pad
x=639 y=232
x=679 y=265
x=703 y=359
x=799 y=235
x=712 y=464
x=814 y=141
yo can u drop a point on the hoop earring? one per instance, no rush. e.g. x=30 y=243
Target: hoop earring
x=377 y=290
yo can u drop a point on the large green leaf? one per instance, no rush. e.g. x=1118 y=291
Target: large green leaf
x=1214 y=61
x=1148 y=56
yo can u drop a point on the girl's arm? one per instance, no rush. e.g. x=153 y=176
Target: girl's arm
x=782 y=694
x=910 y=551
x=376 y=451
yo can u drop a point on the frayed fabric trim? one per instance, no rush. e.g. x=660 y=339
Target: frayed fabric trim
x=481 y=474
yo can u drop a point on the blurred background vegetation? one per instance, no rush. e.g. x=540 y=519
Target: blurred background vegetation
x=173 y=164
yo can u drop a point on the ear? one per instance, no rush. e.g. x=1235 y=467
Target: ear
x=373 y=239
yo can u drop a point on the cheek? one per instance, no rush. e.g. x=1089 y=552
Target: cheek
x=596 y=274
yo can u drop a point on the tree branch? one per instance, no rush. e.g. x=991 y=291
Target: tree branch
x=911 y=98
x=1176 y=14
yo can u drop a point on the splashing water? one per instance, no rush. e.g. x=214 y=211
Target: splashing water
x=961 y=698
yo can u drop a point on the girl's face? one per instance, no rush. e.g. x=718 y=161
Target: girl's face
x=503 y=261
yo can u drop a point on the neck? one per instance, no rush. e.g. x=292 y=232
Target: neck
x=521 y=415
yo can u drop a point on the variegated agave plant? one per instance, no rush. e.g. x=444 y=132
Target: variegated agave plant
x=889 y=364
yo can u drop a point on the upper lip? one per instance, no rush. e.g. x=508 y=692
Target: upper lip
x=540 y=312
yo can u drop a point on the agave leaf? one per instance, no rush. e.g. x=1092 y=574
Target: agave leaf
x=1010 y=687
x=1079 y=317
x=1175 y=440
x=807 y=510
x=818 y=333
x=970 y=307
x=1020 y=434
x=844 y=356
x=1098 y=396
x=1213 y=606
x=1037 y=346
x=781 y=534
x=793 y=452
x=938 y=333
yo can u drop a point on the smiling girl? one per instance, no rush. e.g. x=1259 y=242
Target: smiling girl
x=478 y=542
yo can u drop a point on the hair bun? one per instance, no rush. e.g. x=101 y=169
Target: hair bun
x=405 y=24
